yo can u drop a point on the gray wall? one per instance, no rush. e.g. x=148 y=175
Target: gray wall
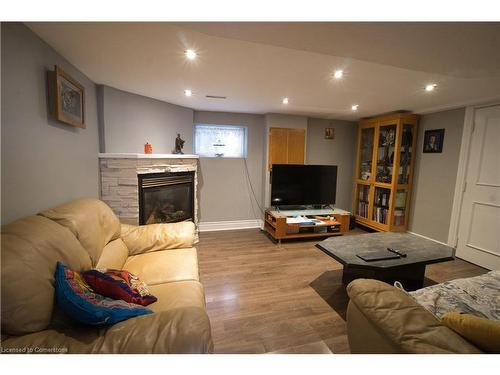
x=225 y=193
x=44 y=162
x=130 y=120
x=434 y=176
x=339 y=151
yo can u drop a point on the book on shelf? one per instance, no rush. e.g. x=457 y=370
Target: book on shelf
x=363 y=194
x=363 y=209
x=380 y=215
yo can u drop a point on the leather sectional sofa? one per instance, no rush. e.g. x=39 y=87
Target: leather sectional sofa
x=86 y=234
x=385 y=320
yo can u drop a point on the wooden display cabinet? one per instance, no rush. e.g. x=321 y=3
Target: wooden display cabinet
x=384 y=171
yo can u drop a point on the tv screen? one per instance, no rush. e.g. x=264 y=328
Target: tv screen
x=294 y=184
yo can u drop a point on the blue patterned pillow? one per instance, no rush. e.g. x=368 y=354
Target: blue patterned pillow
x=79 y=301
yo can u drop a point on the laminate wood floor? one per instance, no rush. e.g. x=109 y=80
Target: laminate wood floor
x=266 y=298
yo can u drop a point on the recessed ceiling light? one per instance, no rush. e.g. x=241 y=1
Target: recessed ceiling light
x=355 y=107
x=285 y=100
x=191 y=54
x=430 y=87
x=188 y=92
x=338 y=74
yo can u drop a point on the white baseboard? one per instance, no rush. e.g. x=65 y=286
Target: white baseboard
x=212 y=226
x=428 y=238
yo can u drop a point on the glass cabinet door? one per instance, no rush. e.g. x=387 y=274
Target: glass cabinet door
x=400 y=207
x=405 y=155
x=381 y=200
x=366 y=153
x=385 y=153
x=363 y=198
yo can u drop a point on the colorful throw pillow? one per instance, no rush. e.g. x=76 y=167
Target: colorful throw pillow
x=78 y=300
x=119 y=284
x=482 y=332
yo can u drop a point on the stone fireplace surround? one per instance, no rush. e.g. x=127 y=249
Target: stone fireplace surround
x=119 y=181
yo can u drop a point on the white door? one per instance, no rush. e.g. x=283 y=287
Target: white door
x=479 y=225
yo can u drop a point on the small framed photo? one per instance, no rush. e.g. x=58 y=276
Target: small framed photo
x=68 y=98
x=329 y=133
x=433 y=141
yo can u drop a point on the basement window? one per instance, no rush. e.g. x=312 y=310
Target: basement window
x=220 y=141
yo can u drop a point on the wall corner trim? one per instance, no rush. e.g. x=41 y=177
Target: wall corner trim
x=461 y=174
x=213 y=226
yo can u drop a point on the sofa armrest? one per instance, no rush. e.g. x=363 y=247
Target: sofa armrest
x=181 y=330
x=147 y=238
x=384 y=319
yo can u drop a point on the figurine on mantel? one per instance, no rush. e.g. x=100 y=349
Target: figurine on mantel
x=179 y=144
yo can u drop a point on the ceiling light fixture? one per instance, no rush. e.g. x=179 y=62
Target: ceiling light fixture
x=430 y=87
x=190 y=54
x=188 y=93
x=285 y=100
x=338 y=74
x=355 y=107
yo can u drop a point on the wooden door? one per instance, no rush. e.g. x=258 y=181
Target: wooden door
x=296 y=149
x=479 y=223
x=286 y=146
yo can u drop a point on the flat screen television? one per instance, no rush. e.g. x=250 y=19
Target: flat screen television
x=303 y=185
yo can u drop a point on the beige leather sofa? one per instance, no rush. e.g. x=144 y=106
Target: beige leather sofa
x=384 y=319
x=83 y=234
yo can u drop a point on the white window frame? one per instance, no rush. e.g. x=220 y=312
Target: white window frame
x=245 y=140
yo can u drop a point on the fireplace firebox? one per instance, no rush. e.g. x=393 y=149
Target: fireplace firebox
x=166 y=197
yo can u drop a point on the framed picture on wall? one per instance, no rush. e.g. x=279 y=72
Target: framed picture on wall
x=67 y=97
x=433 y=141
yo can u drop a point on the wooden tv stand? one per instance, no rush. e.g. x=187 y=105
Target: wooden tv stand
x=275 y=224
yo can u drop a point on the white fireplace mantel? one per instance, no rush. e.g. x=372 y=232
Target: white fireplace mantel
x=129 y=155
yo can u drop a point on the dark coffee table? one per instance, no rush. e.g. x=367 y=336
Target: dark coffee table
x=409 y=270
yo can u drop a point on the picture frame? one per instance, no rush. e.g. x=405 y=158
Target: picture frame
x=68 y=98
x=433 y=141
x=329 y=133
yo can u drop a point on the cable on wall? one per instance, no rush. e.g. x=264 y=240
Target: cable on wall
x=249 y=181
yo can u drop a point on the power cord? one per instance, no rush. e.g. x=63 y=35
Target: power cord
x=249 y=181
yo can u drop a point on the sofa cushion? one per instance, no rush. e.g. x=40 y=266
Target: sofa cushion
x=178 y=294
x=164 y=266
x=484 y=333
x=31 y=248
x=90 y=220
x=114 y=255
x=78 y=300
x=119 y=284
x=154 y=237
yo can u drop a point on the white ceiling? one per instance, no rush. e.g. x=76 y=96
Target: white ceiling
x=255 y=65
